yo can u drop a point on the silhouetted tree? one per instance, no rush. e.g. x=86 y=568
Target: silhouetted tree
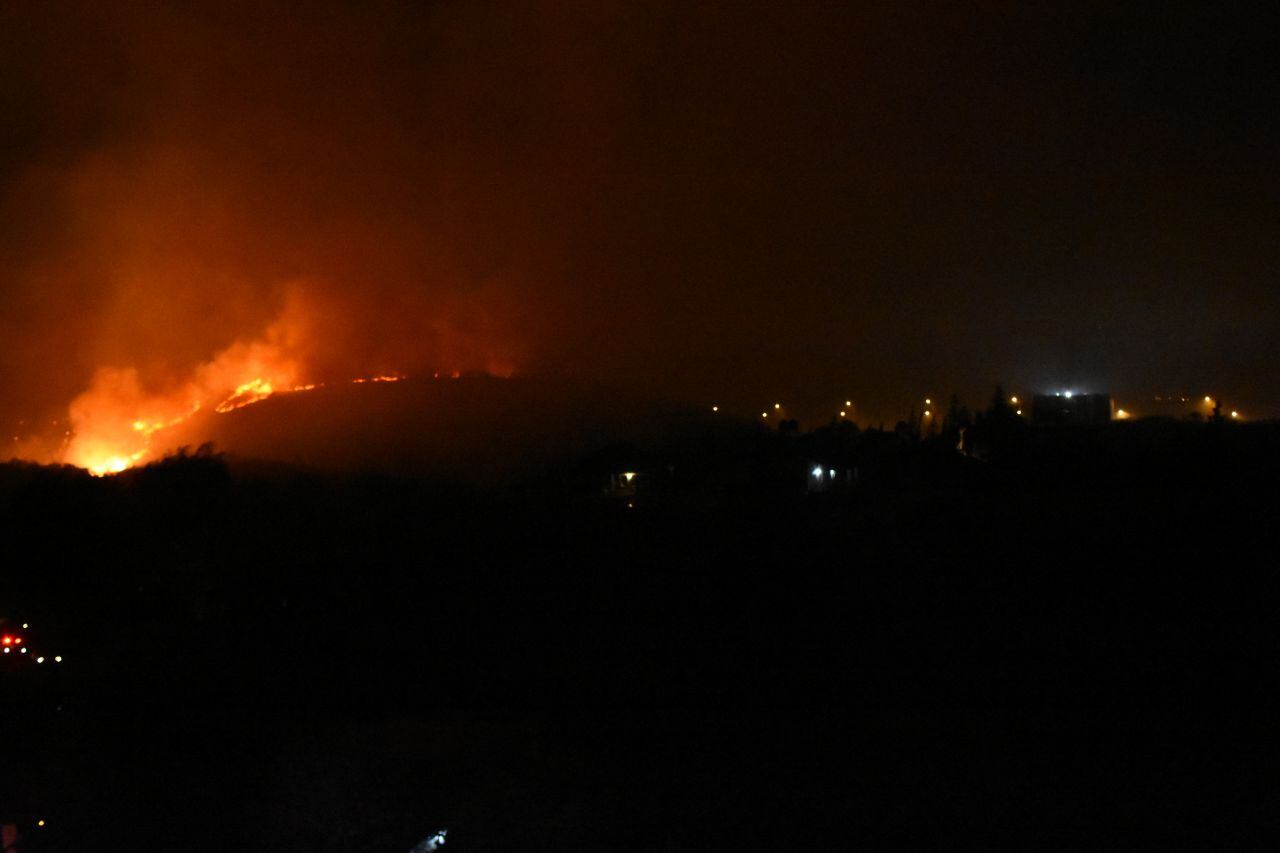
x=956 y=423
x=996 y=430
x=1000 y=408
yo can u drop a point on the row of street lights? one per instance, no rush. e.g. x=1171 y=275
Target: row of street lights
x=1121 y=414
x=777 y=409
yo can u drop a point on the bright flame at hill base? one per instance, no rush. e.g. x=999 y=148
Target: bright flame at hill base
x=114 y=424
x=103 y=449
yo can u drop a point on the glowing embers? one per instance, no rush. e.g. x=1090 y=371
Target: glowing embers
x=246 y=394
x=147 y=427
x=257 y=390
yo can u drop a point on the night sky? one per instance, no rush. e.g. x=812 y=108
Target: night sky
x=720 y=202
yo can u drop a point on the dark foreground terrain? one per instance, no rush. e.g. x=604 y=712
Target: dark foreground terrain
x=1073 y=643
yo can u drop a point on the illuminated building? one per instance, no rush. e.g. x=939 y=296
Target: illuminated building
x=1071 y=409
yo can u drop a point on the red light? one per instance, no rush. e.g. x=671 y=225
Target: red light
x=8 y=641
x=17 y=641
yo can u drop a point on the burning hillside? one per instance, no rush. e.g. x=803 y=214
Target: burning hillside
x=473 y=428
x=274 y=399
x=132 y=415
x=116 y=423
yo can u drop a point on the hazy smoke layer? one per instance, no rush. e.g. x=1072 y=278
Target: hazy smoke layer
x=183 y=186
x=729 y=202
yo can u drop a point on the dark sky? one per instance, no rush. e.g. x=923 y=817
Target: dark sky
x=724 y=201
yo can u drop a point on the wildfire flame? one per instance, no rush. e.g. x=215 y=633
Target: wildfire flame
x=121 y=420
x=114 y=422
x=102 y=446
x=246 y=394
